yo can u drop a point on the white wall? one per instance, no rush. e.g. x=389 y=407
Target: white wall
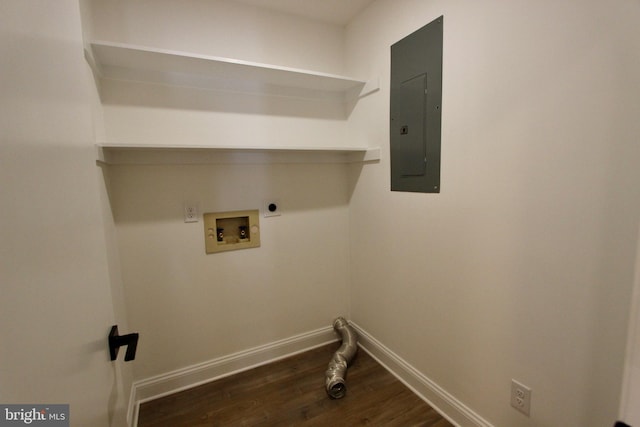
x=190 y=307
x=522 y=267
x=221 y=28
x=57 y=303
x=171 y=115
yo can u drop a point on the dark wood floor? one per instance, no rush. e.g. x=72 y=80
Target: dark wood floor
x=291 y=392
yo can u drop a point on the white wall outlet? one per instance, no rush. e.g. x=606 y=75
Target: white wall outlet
x=191 y=212
x=271 y=207
x=520 y=397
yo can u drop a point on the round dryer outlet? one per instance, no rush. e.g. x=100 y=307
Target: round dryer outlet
x=271 y=208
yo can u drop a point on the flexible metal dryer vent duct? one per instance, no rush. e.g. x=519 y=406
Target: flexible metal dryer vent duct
x=337 y=369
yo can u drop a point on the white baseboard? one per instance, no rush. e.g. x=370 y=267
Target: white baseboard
x=438 y=398
x=195 y=375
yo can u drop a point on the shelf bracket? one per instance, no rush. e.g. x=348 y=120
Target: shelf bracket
x=372 y=85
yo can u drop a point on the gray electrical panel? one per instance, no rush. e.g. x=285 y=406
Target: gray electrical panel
x=416 y=110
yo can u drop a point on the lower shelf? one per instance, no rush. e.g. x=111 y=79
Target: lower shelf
x=115 y=154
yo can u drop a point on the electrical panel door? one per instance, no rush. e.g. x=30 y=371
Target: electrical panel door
x=416 y=98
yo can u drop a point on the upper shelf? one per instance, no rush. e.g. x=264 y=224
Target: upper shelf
x=129 y=62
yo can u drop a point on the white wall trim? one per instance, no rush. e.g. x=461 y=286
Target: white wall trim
x=132 y=408
x=438 y=398
x=201 y=373
x=628 y=411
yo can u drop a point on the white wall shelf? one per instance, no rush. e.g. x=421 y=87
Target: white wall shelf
x=130 y=63
x=130 y=154
x=135 y=63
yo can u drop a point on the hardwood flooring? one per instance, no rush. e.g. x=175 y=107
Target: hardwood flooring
x=291 y=392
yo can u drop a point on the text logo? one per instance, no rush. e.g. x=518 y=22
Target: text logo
x=34 y=415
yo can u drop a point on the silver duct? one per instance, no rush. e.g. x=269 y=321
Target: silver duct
x=336 y=372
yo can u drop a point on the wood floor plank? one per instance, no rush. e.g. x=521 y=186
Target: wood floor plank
x=291 y=392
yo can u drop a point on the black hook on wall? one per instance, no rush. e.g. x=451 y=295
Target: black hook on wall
x=116 y=341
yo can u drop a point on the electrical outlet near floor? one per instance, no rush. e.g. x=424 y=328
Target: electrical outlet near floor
x=520 y=397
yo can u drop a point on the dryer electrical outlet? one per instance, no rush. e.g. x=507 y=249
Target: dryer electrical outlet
x=416 y=110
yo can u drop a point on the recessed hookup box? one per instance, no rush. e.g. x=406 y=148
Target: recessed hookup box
x=228 y=231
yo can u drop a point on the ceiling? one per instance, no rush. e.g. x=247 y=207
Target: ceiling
x=338 y=12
